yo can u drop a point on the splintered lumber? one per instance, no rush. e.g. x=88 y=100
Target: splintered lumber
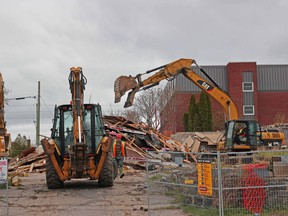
x=31 y=167
x=28 y=163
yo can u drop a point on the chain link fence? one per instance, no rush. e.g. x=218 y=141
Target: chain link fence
x=4 y=208
x=254 y=183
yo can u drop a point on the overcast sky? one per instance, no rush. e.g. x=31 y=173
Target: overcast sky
x=40 y=40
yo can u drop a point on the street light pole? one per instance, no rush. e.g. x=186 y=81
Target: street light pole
x=38 y=117
x=37 y=112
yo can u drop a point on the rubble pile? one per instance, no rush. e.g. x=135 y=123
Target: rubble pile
x=198 y=141
x=28 y=161
x=139 y=137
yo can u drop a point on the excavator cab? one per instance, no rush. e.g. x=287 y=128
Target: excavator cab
x=242 y=135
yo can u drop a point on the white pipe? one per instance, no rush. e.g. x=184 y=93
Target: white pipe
x=79 y=130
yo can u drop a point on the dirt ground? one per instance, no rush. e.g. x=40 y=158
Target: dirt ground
x=128 y=196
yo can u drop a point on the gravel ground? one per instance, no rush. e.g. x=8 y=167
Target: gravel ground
x=82 y=197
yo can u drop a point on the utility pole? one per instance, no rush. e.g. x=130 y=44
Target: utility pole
x=38 y=117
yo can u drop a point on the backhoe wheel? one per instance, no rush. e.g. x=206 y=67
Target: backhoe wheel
x=106 y=178
x=52 y=179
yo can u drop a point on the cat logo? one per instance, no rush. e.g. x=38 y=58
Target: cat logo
x=205 y=85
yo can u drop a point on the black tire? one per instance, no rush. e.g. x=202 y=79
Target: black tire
x=106 y=178
x=52 y=179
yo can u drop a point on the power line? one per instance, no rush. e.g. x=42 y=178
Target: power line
x=20 y=98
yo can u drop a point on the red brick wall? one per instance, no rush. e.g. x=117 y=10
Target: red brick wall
x=271 y=104
x=266 y=104
x=234 y=77
x=172 y=119
x=172 y=115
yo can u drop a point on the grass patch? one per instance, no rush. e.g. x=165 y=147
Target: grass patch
x=3 y=186
x=267 y=156
x=156 y=177
x=171 y=207
x=198 y=211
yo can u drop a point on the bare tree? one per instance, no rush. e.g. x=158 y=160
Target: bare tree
x=146 y=106
x=112 y=112
x=131 y=115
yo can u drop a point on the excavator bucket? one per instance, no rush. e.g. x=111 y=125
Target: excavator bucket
x=122 y=85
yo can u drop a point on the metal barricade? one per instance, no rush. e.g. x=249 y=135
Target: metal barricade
x=244 y=183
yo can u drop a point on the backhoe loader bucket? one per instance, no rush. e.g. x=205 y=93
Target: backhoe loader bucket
x=122 y=85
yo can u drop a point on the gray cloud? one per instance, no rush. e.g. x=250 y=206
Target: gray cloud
x=41 y=40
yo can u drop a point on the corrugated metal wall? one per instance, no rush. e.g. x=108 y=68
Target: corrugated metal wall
x=272 y=77
x=182 y=84
x=269 y=78
x=217 y=73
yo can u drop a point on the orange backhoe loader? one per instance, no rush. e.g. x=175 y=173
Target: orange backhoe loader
x=79 y=146
x=183 y=66
x=5 y=139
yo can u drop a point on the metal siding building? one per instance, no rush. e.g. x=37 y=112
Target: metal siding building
x=217 y=73
x=267 y=97
x=272 y=77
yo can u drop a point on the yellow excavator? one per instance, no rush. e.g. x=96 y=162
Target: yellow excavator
x=5 y=139
x=79 y=146
x=183 y=66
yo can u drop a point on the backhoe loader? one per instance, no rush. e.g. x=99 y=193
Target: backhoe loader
x=183 y=66
x=5 y=139
x=79 y=146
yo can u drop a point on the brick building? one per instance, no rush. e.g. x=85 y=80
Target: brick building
x=259 y=91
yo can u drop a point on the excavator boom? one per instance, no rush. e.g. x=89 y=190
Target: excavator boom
x=168 y=71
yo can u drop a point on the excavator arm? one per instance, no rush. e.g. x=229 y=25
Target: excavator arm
x=125 y=83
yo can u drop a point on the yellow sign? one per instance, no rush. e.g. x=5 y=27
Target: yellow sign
x=204 y=177
x=189 y=181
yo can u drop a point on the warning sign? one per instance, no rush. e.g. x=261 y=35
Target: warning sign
x=204 y=177
x=3 y=170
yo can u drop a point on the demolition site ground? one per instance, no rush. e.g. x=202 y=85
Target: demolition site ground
x=128 y=196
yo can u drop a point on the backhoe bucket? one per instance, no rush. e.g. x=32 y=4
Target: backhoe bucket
x=123 y=84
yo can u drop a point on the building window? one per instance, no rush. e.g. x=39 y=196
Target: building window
x=247 y=87
x=248 y=109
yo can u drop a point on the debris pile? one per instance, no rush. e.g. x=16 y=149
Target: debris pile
x=139 y=137
x=28 y=161
x=199 y=141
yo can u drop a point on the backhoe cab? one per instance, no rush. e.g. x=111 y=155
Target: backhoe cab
x=79 y=146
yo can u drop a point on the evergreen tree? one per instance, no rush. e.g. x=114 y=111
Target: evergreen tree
x=20 y=144
x=199 y=114
x=203 y=111
x=197 y=123
x=192 y=110
x=209 y=110
x=185 y=121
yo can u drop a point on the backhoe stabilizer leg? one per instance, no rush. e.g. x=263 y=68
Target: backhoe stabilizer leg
x=49 y=149
x=106 y=143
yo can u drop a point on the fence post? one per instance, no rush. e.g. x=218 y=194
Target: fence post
x=220 y=192
x=147 y=182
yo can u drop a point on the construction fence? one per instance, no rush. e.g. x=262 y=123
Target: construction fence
x=4 y=210
x=254 y=183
